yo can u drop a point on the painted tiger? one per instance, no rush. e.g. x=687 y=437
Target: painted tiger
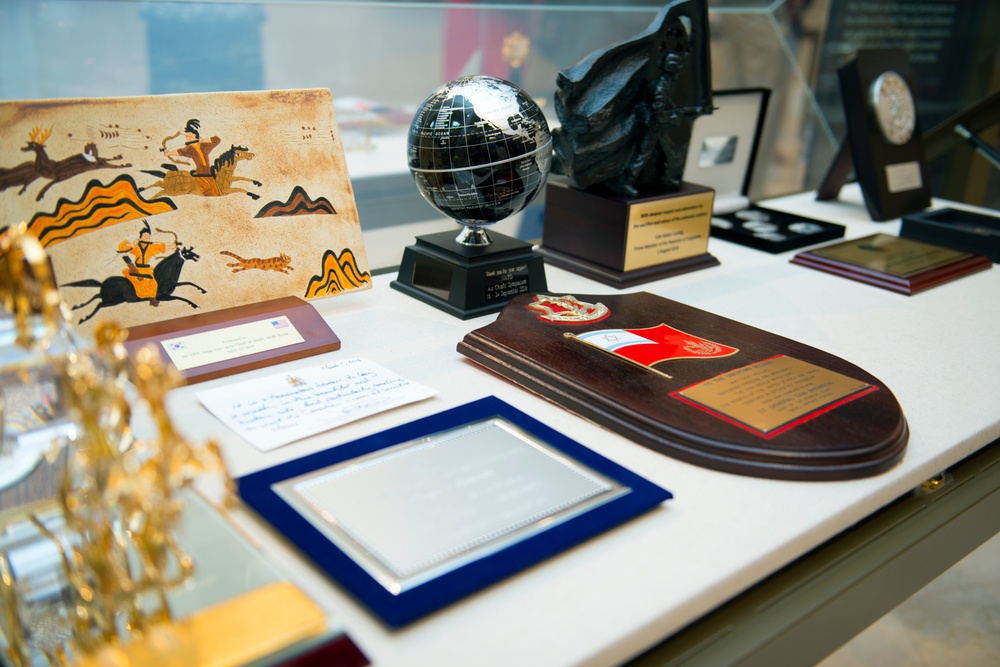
x=280 y=263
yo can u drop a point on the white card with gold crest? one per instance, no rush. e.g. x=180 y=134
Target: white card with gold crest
x=163 y=206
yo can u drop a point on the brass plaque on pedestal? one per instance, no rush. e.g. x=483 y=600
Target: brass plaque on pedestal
x=622 y=241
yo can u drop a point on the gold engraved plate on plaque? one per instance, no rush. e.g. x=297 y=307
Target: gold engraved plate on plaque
x=668 y=229
x=900 y=257
x=773 y=393
x=234 y=632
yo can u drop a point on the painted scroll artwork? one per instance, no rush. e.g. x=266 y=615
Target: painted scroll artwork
x=158 y=207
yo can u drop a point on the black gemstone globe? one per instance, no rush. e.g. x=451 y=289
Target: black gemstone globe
x=479 y=150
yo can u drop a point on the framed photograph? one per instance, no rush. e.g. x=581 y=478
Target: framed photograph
x=721 y=155
x=414 y=518
x=723 y=146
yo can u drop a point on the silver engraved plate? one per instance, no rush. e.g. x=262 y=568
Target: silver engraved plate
x=409 y=513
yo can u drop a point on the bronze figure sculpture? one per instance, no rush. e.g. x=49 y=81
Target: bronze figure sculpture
x=627 y=110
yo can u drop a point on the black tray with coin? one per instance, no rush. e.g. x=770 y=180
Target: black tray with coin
x=772 y=231
x=721 y=155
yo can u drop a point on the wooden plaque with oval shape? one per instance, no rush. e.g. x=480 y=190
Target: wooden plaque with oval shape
x=696 y=386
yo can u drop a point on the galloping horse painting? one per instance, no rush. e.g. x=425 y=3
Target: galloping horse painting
x=257 y=174
x=164 y=278
x=174 y=181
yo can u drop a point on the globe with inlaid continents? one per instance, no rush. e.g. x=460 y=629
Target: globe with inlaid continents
x=479 y=150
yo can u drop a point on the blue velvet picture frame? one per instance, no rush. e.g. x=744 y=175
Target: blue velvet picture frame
x=396 y=610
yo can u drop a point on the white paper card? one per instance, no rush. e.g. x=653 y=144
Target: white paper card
x=239 y=340
x=278 y=409
x=410 y=512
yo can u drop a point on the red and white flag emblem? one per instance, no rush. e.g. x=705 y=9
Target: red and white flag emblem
x=655 y=344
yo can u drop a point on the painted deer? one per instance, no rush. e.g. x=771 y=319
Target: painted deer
x=54 y=170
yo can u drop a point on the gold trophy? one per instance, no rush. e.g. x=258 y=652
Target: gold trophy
x=109 y=536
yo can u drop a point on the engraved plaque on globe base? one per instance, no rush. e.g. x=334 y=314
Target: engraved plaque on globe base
x=479 y=150
x=621 y=240
x=469 y=280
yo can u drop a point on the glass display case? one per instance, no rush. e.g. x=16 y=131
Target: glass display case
x=381 y=59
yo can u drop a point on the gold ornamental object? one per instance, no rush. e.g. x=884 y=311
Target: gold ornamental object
x=110 y=532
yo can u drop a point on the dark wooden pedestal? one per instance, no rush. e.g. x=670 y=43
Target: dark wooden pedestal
x=623 y=241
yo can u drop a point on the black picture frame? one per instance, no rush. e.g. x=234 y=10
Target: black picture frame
x=722 y=154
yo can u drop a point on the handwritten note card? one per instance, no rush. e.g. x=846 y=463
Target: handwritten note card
x=278 y=409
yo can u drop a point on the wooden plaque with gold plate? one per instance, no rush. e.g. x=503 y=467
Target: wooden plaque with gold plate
x=697 y=386
x=236 y=340
x=901 y=265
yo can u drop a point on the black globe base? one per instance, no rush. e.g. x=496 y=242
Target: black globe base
x=468 y=281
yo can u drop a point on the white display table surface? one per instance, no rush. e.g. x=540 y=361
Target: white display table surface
x=614 y=596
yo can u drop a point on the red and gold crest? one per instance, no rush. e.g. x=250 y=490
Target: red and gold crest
x=567 y=309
